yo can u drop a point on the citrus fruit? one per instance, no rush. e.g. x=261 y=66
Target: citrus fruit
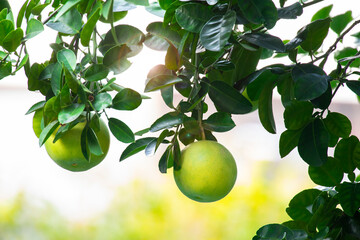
x=66 y=151
x=206 y=171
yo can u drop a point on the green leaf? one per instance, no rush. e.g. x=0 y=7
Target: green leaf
x=340 y=22
x=93 y=142
x=167 y=94
x=216 y=32
x=47 y=131
x=39 y=8
x=127 y=35
x=343 y=55
x=33 y=76
x=161 y=81
x=324 y=100
x=102 y=101
x=168 y=120
x=290 y=12
x=6 y=26
x=71 y=113
x=300 y=207
x=69 y=23
x=83 y=143
x=349 y=197
x=259 y=12
x=274 y=231
x=265 y=107
x=136 y=147
x=115 y=59
x=21 y=14
x=121 y=131
x=329 y=174
x=310 y=82
x=161 y=35
x=297 y=115
x=88 y=28
x=51 y=109
x=56 y=77
x=163 y=162
x=316 y=33
x=338 y=124
x=313 y=143
x=344 y=152
x=139 y=2
x=13 y=40
x=35 y=107
x=67 y=58
x=22 y=63
x=154 y=8
x=172 y=58
x=96 y=72
x=126 y=99
x=192 y=16
x=151 y=148
x=354 y=86
x=219 y=122
x=265 y=40
x=34 y=27
x=228 y=99
x=322 y=13
x=5 y=69
x=289 y=139
x=66 y=7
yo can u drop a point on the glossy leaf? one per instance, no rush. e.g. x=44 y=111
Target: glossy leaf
x=71 y=113
x=93 y=142
x=339 y=22
x=69 y=23
x=185 y=16
x=167 y=121
x=126 y=35
x=154 y=8
x=88 y=28
x=55 y=78
x=338 y=124
x=266 y=109
x=6 y=26
x=299 y=209
x=13 y=40
x=164 y=33
x=21 y=14
x=83 y=143
x=121 y=131
x=316 y=33
x=265 y=40
x=219 y=122
x=35 y=107
x=289 y=139
x=151 y=148
x=126 y=99
x=96 y=72
x=227 y=99
x=167 y=94
x=274 y=231
x=216 y=32
x=163 y=162
x=172 y=58
x=259 y=12
x=322 y=13
x=115 y=59
x=297 y=115
x=344 y=152
x=349 y=197
x=102 y=101
x=33 y=28
x=68 y=58
x=47 y=131
x=313 y=143
x=354 y=86
x=135 y=147
x=66 y=7
x=330 y=174
x=310 y=82
x=290 y=12
x=161 y=81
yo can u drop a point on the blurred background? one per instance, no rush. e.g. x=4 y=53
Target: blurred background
x=132 y=199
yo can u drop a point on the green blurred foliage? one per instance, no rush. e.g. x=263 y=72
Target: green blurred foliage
x=142 y=210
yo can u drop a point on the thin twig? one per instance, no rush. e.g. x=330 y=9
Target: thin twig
x=311 y=3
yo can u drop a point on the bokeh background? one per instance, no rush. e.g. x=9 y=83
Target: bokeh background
x=132 y=199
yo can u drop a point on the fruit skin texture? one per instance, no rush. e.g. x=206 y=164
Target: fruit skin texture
x=66 y=151
x=206 y=171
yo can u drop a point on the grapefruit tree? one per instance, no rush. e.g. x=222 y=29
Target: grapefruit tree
x=213 y=49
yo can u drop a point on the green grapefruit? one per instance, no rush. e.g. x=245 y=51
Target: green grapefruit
x=206 y=171
x=66 y=151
